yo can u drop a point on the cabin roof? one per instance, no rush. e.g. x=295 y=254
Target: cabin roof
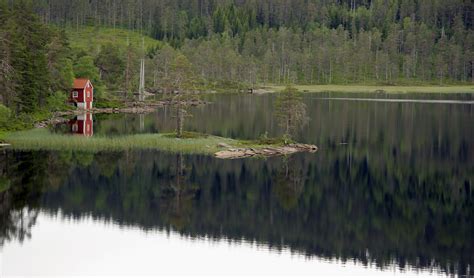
x=80 y=83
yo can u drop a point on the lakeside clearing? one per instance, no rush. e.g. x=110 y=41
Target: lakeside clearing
x=376 y=89
x=191 y=143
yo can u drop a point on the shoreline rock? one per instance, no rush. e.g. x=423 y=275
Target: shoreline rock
x=237 y=153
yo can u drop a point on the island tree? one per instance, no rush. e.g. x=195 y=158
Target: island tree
x=181 y=82
x=290 y=111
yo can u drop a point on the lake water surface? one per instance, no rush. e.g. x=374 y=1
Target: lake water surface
x=389 y=191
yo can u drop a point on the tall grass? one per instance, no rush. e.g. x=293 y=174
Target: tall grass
x=42 y=139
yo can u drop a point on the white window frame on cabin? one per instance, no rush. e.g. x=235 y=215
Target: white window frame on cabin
x=75 y=94
x=88 y=93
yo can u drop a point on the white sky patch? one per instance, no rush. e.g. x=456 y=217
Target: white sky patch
x=86 y=247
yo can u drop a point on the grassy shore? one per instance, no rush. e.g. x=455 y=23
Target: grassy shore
x=374 y=88
x=193 y=143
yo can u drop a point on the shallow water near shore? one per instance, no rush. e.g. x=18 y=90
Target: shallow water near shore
x=390 y=191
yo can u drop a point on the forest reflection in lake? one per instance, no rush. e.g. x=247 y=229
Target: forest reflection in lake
x=392 y=183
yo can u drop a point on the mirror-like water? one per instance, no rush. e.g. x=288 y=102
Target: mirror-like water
x=392 y=184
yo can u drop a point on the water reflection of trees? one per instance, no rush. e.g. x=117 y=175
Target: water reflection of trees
x=19 y=200
x=16 y=224
x=177 y=197
x=377 y=210
x=288 y=183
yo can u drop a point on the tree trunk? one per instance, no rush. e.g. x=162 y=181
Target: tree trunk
x=179 y=120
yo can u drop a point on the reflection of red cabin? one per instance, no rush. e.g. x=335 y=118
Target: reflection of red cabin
x=82 y=93
x=82 y=125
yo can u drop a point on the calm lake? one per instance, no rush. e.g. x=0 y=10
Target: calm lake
x=390 y=191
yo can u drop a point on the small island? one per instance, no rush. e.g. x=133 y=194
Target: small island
x=190 y=143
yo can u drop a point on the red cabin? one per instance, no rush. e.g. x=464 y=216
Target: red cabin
x=82 y=94
x=82 y=125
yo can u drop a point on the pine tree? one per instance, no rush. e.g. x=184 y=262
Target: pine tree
x=182 y=81
x=29 y=53
x=290 y=111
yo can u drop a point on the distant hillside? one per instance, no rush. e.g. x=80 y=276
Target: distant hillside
x=91 y=38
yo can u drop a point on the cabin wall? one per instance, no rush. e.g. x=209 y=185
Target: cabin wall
x=85 y=96
x=80 y=95
x=89 y=95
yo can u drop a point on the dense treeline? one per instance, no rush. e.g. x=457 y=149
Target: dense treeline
x=277 y=41
x=34 y=61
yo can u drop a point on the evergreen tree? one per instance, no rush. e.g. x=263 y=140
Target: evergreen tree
x=111 y=65
x=181 y=81
x=29 y=53
x=290 y=111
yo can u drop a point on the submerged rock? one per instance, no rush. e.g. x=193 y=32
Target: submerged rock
x=265 y=152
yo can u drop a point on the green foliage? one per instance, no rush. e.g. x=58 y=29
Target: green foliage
x=5 y=115
x=10 y=122
x=219 y=21
x=111 y=65
x=269 y=141
x=34 y=61
x=181 y=81
x=290 y=111
x=28 y=50
x=197 y=28
x=101 y=35
x=108 y=102
x=84 y=67
x=59 y=62
x=57 y=102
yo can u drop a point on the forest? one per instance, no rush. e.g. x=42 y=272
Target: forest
x=44 y=44
x=310 y=42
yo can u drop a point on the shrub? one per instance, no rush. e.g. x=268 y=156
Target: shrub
x=5 y=114
x=57 y=102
